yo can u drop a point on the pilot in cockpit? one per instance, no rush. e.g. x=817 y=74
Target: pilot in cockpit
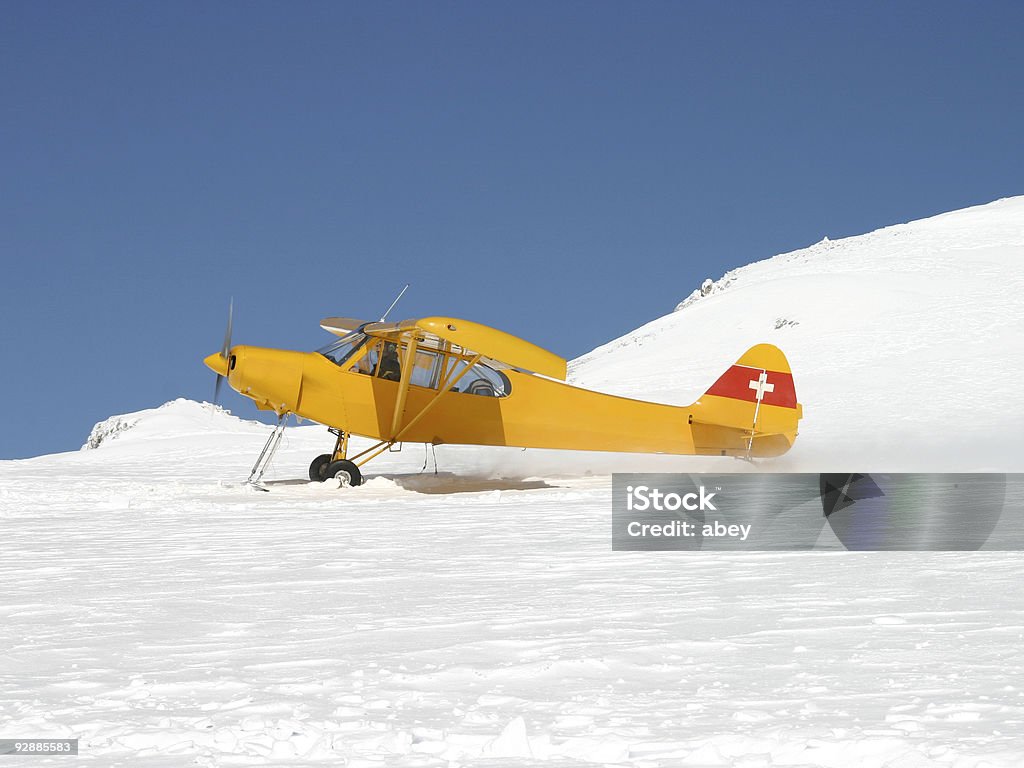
x=389 y=367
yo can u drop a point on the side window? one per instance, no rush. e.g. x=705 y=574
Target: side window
x=367 y=364
x=382 y=359
x=482 y=380
x=426 y=369
x=385 y=359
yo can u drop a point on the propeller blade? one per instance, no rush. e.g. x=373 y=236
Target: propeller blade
x=226 y=347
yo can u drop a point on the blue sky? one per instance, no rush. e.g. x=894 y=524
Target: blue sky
x=564 y=171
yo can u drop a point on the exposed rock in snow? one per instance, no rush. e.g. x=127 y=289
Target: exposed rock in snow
x=707 y=288
x=108 y=429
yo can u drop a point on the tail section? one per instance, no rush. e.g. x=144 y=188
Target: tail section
x=751 y=410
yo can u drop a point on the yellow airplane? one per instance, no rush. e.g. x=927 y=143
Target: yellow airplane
x=444 y=380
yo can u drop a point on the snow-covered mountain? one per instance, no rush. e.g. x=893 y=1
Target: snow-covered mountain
x=177 y=419
x=165 y=615
x=907 y=344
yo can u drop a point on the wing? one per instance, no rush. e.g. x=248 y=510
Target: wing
x=341 y=326
x=497 y=348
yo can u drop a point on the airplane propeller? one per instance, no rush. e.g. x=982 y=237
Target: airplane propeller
x=225 y=350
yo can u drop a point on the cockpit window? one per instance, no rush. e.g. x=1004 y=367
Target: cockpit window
x=482 y=380
x=341 y=350
x=366 y=360
x=384 y=359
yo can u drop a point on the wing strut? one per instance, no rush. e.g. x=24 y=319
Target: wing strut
x=451 y=379
x=403 y=387
x=444 y=388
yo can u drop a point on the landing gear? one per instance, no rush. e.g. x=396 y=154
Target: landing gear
x=324 y=467
x=318 y=469
x=267 y=454
x=345 y=471
x=336 y=464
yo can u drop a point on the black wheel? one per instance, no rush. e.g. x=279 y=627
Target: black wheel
x=344 y=470
x=318 y=469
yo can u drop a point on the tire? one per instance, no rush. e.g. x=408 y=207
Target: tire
x=318 y=469
x=344 y=470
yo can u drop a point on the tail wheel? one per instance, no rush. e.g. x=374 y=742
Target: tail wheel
x=345 y=471
x=318 y=469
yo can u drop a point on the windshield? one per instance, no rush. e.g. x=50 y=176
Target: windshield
x=341 y=350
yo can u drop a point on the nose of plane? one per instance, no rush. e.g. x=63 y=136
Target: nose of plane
x=217 y=363
x=270 y=377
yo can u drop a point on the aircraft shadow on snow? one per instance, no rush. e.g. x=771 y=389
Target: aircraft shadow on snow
x=444 y=483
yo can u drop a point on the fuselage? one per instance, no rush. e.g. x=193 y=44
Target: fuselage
x=528 y=410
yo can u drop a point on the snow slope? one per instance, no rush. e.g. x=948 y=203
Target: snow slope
x=907 y=344
x=167 y=616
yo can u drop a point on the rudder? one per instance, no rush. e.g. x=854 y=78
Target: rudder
x=751 y=410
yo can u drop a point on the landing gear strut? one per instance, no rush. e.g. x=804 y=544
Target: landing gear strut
x=267 y=454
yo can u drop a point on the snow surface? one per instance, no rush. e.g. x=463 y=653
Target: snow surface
x=165 y=615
